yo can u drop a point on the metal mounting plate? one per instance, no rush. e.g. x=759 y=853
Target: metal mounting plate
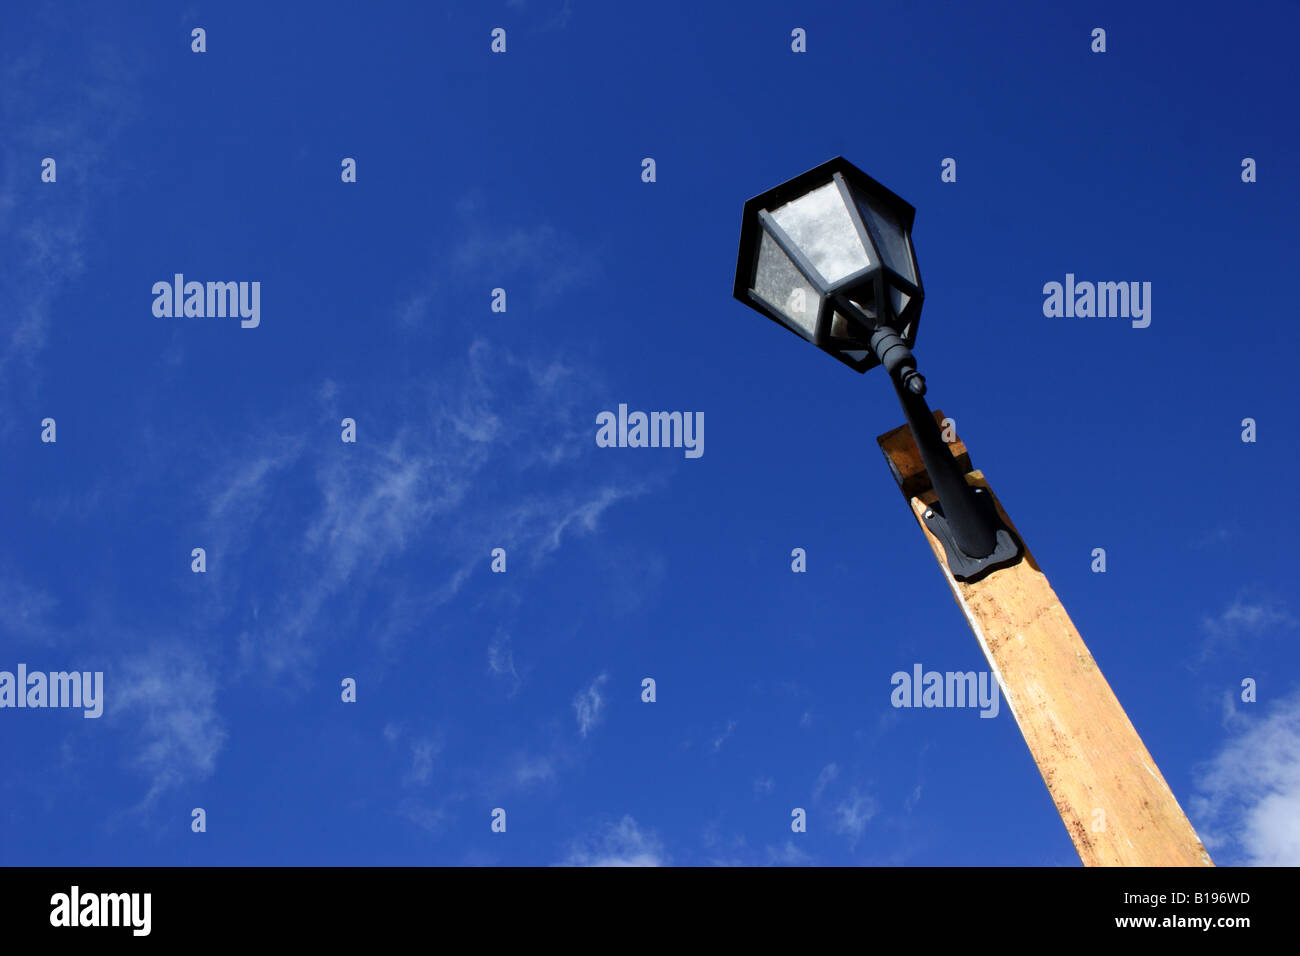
x=963 y=567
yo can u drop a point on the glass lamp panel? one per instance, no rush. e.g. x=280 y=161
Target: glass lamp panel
x=899 y=299
x=782 y=284
x=857 y=354
x=841 y=328
x=865 y=300
x=820 y=225
x=894 y=244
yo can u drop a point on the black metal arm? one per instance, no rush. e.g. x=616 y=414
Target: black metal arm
x=967 y=523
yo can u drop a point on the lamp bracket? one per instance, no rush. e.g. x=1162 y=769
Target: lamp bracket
x=963 y=566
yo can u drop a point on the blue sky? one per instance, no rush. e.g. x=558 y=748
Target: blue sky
x=476 y=429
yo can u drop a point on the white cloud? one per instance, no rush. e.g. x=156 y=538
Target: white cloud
x=428 y=817
x=852 y=815
x=500 y=658
x=241 y=494
x=501 y=661
x=45 y=255
x=1244 y=616
x=585 y=514
x=27 y=612
x=535 y=263
x=370 y=507
x=788 y=855
x=1241 y=620
x=719 y=740
x=173 y=696
x=589 y=706
x=619 y=844
x=551 y=260
x=423 y=752
x=439 y=485
x=913 y=799
x=825 y=779
x=1248 y=803
x=531 y=770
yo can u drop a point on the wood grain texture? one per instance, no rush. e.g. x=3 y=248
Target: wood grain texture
x=1087 y=750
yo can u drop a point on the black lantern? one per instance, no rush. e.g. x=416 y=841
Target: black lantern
x=829 y=256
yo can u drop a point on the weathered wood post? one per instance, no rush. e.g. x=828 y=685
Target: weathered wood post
x=1087 y=750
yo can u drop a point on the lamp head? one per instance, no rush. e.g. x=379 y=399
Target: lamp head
x=828 y=255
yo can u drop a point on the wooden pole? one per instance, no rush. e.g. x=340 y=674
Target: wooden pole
x=1087 y=750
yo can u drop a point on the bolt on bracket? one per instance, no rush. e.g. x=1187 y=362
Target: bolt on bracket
x=963 y=566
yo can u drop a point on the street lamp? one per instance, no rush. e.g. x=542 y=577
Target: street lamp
x=828 y=256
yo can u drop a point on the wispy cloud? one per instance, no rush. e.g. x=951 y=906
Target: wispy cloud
x=28 y=612
x=852 y=816
x=719 y=740
x=912 y=799
x=1248 y=805
x=584 y=515
x=45 y=255
x=423 y=752
x=542 y=255
x=171 y=695
x=501 y=662
x=241 y=494
x=440 y=488
x=619 y=844
x=420 y=750
x=431 y=817
x=788 y=855
x=532 y=770
x=589 y=706
x=364 y=540
x=1217 y=535
x=1244 y=619
x=824 y=780
x=547 y=258
x=536 y=263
